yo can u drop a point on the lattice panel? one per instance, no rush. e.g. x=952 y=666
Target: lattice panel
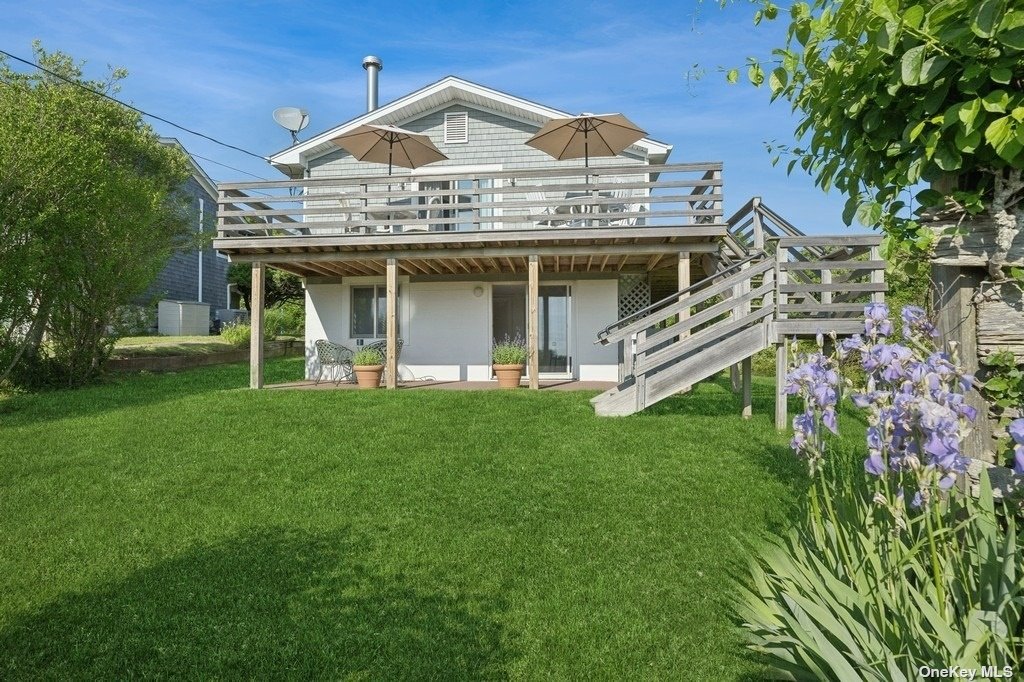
x=634 y=294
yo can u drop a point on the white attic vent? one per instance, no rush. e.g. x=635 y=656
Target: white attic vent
x=456 y=127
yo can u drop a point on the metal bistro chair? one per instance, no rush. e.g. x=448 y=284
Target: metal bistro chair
x=333 y=355
x=382 y=347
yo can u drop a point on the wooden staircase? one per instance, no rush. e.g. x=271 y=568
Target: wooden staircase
x=773 y=283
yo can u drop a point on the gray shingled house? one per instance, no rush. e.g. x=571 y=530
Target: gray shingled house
x=199 y=276
x=624 y=271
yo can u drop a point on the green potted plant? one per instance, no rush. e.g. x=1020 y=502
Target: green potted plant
x=508 y=358
x=368 y=364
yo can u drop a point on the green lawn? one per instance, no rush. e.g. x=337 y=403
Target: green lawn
x=173 y=526
x=149 y=346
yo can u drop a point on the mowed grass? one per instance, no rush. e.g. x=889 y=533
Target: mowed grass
x=180 y=526
x=150 y=346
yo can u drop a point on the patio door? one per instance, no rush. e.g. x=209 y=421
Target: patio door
x=508 y=318
x=553 y=328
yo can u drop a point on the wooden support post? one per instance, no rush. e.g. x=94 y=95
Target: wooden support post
x=391 y=359
x=533 y=322
x=953 y=289
x=877 y=276
x=640 y=378
x=758 y=225
x=748 y=395
x=684 y=282
x=781 y=346
x=781 y=361
x=259 y=276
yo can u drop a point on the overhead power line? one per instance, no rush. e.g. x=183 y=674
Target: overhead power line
x=237 y=170
x=135 y=109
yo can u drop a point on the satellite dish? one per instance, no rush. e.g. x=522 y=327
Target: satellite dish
x=292 y=119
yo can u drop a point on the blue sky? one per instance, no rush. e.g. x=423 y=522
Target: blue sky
x=221 y=68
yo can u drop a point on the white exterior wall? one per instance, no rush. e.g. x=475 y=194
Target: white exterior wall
x=447 y=327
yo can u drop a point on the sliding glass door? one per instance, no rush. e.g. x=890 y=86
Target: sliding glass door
x=508 y=318
x=553 y=311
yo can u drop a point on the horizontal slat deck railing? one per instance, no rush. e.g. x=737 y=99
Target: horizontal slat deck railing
x=830 y=292
x=742 y=309
x=668 y=195
x=673 y=304
x=722 y=314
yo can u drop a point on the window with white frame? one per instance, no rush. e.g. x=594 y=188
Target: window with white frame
x=368 y=318
x=456 y=127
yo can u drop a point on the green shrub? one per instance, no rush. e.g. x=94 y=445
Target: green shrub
x=365 y=357
x=287 y=319
x=237 y=333
x=134 y=320
x=509 y=351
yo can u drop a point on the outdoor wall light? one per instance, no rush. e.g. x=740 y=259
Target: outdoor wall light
x=478 y=291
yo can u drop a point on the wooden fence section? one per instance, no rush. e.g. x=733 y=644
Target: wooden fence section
x=669 y=195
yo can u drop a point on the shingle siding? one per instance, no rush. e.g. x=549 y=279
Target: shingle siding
x=493 y=139
x=179 y=280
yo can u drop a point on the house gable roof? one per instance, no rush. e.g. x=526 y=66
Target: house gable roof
x=450 y=89
x=197 y=171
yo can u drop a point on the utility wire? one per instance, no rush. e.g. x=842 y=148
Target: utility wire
x=237 y=170
x=136 y=109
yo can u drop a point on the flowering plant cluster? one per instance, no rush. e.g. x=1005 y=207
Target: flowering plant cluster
x=868 y=586
x=913 y=394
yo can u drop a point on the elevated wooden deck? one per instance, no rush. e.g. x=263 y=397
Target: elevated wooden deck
x=573 y=219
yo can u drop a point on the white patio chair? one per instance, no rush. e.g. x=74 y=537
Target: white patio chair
x=540 y=206
x=630 y=201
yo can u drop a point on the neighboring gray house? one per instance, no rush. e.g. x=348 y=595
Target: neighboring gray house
x=194 y=275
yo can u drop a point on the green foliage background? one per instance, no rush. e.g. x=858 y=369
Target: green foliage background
x=88 y=216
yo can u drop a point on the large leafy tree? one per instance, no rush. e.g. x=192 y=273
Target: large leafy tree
x=281 y=287
x=896 y=94
x=88 y=215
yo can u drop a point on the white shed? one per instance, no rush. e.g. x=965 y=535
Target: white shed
x=183 y=318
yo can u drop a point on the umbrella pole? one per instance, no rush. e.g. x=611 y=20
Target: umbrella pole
x=586 y=161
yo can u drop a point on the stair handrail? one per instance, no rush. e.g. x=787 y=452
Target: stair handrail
x=603 y=335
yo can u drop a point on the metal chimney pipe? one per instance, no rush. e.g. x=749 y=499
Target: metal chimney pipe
x=373 y=65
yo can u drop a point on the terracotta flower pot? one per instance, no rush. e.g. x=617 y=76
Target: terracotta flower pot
x=508 y=375
x=368 y=376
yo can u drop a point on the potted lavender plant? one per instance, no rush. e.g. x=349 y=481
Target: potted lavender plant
x=508 y=358
x=368 y=364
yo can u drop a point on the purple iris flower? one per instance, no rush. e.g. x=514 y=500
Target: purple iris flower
x=874 y=465
x=828 y=418
x=1016 y=431
x=916 y=323
x=1018 y=459
x=876 y=322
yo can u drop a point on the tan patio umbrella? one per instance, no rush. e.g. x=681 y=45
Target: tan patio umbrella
x=395 y=146
x=586 y=135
